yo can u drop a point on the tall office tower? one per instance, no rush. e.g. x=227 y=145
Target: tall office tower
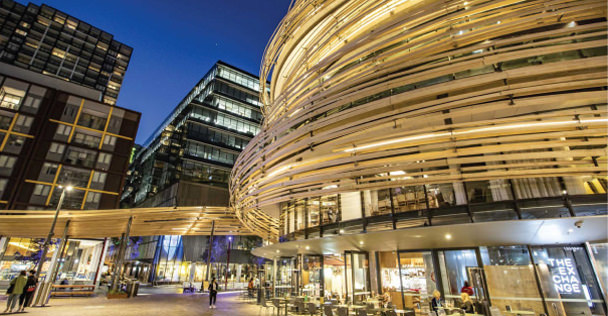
x=48 y=41
x=188 y=159
x=187 y=162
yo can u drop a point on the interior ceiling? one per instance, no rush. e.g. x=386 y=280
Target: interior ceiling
x=517 y=232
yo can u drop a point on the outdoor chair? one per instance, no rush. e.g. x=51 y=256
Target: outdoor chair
x=327 y=310
x=342 y=311
x=311 y=309
x=277 y=305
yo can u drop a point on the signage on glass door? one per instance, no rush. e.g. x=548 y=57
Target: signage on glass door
x=565 y=277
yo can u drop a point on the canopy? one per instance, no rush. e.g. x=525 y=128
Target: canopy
x=112 y=223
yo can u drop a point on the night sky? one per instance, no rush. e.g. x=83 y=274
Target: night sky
x=176 y=42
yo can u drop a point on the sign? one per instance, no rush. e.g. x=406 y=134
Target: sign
x=565 y=277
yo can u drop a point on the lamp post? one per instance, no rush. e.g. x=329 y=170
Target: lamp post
x=45 y=246
x=227 y=264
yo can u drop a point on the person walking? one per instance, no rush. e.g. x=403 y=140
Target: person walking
x=250 y=287
x=213 y=288
x=15 y=289
x=28 y=291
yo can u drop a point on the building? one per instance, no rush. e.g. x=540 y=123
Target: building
x=48 y=41
x=187 y=162
x=410 y=146
x=59 y=127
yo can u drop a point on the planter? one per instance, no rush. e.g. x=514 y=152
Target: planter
x=117 y=295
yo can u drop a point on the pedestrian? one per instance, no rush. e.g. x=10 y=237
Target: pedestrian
x=467 y=288
x=15 y=289
x=213 y=288
x=28 y=291
x=250 y=287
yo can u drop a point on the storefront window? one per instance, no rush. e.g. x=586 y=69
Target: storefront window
x=418 y=279
x=285 y=269
x=311 y=275
x=333 y=276
x=455 y=265
x=389 y=277
x=510 y=279
x=600 y=257
x=567 y=281
x=357 y=276
x=170 y=259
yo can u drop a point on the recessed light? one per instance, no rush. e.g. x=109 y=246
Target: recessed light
x=278 y=251
x=361 y=242
x=307 y=247
x=448 y=236
x=341 y=231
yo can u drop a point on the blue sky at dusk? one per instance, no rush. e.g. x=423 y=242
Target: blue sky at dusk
x=176 y=42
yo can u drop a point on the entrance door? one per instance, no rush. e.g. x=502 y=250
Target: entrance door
x=477 y=278
x=459 y=267
x=356 y=266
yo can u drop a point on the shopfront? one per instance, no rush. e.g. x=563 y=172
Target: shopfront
x=543 y=280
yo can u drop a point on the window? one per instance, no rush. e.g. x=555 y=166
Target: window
x=32 y=101
x=104 y=158
x=109 y=140
x=93 y=197
x=57 y=148
x=99 y=177
x=42 y=190
x=3 y=183
x=7 y=161
x=64 y=130
x=23 y=123
x=50 y=168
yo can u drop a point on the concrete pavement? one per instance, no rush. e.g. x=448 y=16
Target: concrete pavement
x=147 y=304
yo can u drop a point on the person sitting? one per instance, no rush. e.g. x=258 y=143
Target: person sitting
x=436 y=302
x=467 y=304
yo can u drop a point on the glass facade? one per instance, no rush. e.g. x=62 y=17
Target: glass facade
x=199 y=141
x=48 y=41
x=525 y=280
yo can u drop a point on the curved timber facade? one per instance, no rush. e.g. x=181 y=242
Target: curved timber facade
x=391 y=114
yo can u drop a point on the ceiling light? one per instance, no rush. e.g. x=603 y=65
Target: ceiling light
x=448 y=236
x=361 y=243
x=307 y=247
x=341 y=231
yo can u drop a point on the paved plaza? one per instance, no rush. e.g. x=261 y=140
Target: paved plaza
x=147 y=304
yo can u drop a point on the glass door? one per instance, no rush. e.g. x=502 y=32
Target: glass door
x=459 y=269
x=357 y=276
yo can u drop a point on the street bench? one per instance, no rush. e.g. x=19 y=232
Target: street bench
x=72 y=290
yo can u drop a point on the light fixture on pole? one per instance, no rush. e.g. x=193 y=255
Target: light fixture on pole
x=45 y=246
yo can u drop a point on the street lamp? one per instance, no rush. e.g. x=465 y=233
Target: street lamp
x=45 y=246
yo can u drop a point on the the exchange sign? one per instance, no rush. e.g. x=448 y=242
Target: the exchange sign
x=565 y=277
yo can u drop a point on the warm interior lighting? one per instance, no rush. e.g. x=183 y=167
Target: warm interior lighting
x=448 y=236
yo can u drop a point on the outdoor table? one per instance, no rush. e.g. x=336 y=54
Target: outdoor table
x=282 y=301
x=519 y=313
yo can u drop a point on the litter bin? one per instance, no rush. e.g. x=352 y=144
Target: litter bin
x=132 y=288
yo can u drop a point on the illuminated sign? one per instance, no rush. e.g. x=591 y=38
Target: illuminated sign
x=565 y=278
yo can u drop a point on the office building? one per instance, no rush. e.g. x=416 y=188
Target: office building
x=410 y=146
x=187 y=162
x=48 y=41
x=59 y=127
